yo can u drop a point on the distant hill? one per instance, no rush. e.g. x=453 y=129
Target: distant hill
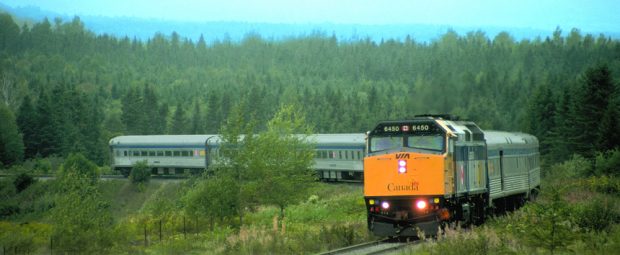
x=143 y=29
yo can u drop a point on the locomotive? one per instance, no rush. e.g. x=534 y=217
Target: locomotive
x=423 y=173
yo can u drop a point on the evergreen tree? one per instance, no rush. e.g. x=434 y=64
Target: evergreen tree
x=179 y=123
x=213 y=115
x=593 y=102
x=132 y=112
x=151 y=112
x=11 y=144
x=609 y=137
x=197 y=124
x=541 y=120
x=27 y=122
x=48 y=128
x=9 y=33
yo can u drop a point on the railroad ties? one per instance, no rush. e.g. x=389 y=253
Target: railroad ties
x=384 y=246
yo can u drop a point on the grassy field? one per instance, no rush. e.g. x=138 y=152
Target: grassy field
x=150 y=219
x=573 y=215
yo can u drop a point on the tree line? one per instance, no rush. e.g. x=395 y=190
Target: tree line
x=70 y=90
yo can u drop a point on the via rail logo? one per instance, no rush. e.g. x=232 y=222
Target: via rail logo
x=402 y=156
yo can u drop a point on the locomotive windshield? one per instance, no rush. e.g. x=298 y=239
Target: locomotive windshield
x=433 y=142
x=421 y=136
x=385 y=143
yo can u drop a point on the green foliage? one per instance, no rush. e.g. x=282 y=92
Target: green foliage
x=76 y=165
x=81 y=217
x=608 y=163
x=22 y=181
x=284 y=158
x=598 y=214
x=23 y=238
x=548 y=225
x=27 y=122
x=140 y=173
x=11 y=145
x=210 y=198
x=576 y=167
x=603 y=184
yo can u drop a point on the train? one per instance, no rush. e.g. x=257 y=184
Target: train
x=338 y=157
x=431 y=171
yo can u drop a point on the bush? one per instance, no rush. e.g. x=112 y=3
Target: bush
x=140 y=173
x=575 y=167
x=22 y=181
x=80 y=166
x=603 y=184
x=608 y=163
x=598 y=214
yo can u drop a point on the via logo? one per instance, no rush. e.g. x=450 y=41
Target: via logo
x=402 y=156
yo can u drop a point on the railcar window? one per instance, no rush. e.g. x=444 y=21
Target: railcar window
x=160 y=153
x=135 y=153
x=125 y=153
x=385 y=143
x=143 y=153
x=168 y=153
x=331 y=154
x=339 y=154
x=346 y=154
x=117 y=153
x=176 y=153
x=151 y=153
x=359 y=155
x=184 y=153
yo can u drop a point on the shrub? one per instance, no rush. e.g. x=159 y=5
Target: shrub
x=140 y=173
x=80 y=166
x=575 y=167
x=22 y=181
x=597 y=214
x=608 y=163
x=603 y=184
x=43 y=165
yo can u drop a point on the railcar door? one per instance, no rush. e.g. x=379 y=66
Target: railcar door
x=501 y=168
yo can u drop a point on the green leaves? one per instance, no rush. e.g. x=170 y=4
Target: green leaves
x=140 y=173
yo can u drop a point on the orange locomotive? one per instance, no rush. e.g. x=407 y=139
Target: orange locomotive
x=422 y=173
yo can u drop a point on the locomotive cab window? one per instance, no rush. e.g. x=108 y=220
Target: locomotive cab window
x=382 y=143
x=430 y=142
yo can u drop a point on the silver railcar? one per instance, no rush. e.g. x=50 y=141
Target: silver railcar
x=338 y=157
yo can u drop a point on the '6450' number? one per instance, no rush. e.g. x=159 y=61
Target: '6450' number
x=391 y=129
x=419 y=128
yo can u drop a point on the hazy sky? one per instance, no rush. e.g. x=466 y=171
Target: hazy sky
x=589 y=15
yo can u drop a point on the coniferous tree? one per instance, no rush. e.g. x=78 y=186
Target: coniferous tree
x=132 y=112
x=48 y=128
x=595 y=96
x=179 y=123
x=541 y=120
x=11 y=145
x=197 y=124
x=27 y=122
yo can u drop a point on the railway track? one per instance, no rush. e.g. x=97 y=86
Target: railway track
x=384 y=246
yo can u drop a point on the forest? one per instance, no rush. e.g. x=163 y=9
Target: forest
x=66 y=91
x=70 y=90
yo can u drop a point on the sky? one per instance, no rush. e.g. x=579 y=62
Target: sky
x=589 y=15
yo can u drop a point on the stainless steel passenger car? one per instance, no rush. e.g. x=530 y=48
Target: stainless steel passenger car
x=338 y=156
